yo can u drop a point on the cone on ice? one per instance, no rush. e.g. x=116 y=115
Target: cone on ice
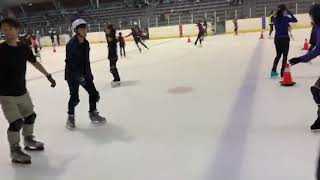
x=287 y=79
x=306 y=45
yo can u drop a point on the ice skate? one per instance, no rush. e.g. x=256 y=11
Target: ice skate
x=315 y=126
x=18 y=156
x=32 y=145
x=96 y=118
x=71 y=122
x=115 y=84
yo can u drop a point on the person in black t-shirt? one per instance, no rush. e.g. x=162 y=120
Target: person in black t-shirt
x=78 y=72
x=14 y=98
x=112 y=54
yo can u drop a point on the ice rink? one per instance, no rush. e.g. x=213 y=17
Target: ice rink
x=182 y=113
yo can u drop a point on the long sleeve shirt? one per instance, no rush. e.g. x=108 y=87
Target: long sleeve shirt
x=315 y=52
x=282 y=25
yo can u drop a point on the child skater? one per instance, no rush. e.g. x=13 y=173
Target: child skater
x=122 y=44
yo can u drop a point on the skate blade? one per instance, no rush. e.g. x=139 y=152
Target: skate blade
x=99 y=122
x=315 y=130
x=115 y=85
x=27 y=148
x=70 y=128
x=21 y=162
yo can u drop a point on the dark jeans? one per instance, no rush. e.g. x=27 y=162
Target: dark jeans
x=137 y=43
x=122 y=48
x=88 y=85
x=271 y=29
x=282 y=47
x=113 y=69
x=199 y=38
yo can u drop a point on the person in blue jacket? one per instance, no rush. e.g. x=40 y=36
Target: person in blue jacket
x=78 y=73
x=315 y=89
x=282 y=40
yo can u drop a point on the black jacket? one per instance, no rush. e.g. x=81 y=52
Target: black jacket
x=112 y=45
x=77 y=61
x=313 y=36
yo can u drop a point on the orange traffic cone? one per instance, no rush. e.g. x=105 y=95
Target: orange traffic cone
x=306 y=45
x=261 y=35
x=287 y=79
x=189 y=40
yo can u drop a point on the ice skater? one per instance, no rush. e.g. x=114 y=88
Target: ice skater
x=122 y=45
x=205 y=26
x=137 y=38
x=15 y=100
x=282 y=40
x=35 y=45
x=113 y=55
x=315 y=89
x=200 y=34
x=38 y=38
x=270 y=24
x=58 y=39
x=52 y=38
x=236 y=26
x=78 y=72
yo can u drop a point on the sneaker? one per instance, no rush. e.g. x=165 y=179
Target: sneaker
x=18 y=156
x=32 y=145
x=71 y=122
x=96 y=118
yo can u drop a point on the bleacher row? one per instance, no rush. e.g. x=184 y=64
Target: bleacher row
x=183 y=11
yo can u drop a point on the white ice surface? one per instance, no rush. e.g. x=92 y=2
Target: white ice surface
x=232 y=123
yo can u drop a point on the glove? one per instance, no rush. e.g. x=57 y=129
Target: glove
x=51 y=80
x=295 y=61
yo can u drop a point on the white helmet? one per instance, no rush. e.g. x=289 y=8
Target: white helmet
x=77 y=23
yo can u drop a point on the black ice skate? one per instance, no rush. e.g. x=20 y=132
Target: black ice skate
x=96 y=118
x=32 y=145
x=315 y=126
x=18 y=156
x=71 y=122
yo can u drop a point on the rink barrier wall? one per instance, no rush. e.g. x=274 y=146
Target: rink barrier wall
x=165 y=32
x=188 y=30
x=256 y=24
